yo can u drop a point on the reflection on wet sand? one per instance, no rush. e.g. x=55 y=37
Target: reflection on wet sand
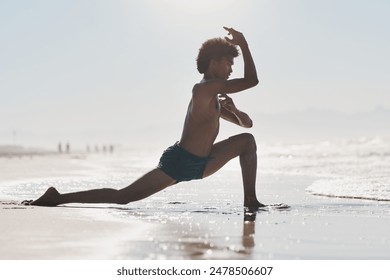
x=186 y=238
x=212 y=244
x=248 y=232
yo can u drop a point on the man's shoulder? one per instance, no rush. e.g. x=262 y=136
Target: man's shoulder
x=209 y=86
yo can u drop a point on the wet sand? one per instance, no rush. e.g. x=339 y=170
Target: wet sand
x=200 y=220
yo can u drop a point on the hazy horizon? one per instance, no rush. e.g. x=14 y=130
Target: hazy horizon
x=288 y=127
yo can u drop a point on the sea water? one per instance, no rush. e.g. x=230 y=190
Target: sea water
x=349 y=168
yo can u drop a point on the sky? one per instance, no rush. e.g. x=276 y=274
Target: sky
x=107 y=71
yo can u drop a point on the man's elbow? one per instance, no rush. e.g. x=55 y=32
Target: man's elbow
x=254 y=82
x=249 y=124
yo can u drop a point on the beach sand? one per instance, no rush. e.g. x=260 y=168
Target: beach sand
x=195 y=220
x=61 y=233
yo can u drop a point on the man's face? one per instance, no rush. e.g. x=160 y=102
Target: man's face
x=223 y=67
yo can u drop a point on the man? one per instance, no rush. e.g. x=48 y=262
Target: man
x=195 y=156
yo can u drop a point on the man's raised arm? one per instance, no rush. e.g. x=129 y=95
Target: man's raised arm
x=222 y=86
x=250 y=73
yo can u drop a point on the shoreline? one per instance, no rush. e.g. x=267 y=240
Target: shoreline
x=351 y=197
x=12 y=151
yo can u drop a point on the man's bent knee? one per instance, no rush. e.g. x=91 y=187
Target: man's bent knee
x=249 y=142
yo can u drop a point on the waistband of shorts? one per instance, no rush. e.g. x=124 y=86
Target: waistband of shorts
x=177 y=145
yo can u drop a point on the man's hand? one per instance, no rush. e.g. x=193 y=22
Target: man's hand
x=227 y=103
x=230 y=112
x=237 y=37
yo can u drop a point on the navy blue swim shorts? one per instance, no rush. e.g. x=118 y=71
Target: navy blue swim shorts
x=181 y=165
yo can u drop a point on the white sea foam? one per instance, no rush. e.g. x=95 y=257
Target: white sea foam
x=358 y=188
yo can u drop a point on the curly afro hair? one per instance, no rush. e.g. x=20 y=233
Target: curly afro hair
x=214 y=49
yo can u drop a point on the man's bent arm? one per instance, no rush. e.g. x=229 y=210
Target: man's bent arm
x=250 y=73
x=230 y=112
x=250 y=79
x=238 y=117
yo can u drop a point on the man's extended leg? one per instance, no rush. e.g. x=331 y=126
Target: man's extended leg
x=152 y=182
x=244 y=146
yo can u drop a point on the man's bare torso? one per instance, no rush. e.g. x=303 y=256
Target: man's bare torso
x=201 y=124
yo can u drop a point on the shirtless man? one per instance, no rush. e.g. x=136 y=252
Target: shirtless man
x=195 y=156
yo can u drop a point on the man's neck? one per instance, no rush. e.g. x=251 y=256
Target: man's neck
x=207 y=77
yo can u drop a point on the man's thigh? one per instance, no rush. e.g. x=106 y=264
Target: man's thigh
x=222 y=152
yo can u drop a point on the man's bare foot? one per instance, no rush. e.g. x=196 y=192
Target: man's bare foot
x=49 y=198
x=253 y=203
